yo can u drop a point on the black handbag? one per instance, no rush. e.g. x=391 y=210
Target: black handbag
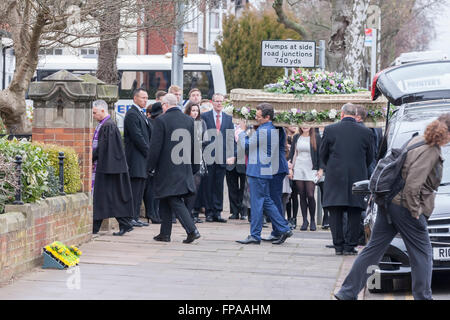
x=203 y=171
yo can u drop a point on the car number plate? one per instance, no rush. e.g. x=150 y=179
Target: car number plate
x=441 y=253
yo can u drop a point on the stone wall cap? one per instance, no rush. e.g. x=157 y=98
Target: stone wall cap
x=91 y=79
x=64 y=76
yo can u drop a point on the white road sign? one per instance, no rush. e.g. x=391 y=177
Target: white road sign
x=288 y=53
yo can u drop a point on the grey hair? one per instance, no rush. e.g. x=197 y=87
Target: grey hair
x=100 y=104
x=170 y=99
x=217 y=95
x=349 y=109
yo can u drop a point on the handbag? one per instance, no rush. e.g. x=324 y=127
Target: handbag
x=203 y=171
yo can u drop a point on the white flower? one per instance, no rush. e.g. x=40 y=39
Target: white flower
x=332 y=114
x=314 y=112
x=245 y=111
x=229 y=109
x=294 y=111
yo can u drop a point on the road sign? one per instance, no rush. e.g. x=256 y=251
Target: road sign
x=288 y=53
x=373 y=17
x=368 y=37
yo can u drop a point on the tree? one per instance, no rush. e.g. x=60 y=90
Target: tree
x=346 y=42
x=77 y=23
x=240 y=48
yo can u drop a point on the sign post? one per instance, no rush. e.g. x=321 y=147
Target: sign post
x=373 y=24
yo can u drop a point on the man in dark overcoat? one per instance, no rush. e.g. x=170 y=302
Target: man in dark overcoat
x=110 y=179
x=172 y=164
x=136 y=132
x=346 y=152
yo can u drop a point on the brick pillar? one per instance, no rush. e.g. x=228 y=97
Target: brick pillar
x=63 y=116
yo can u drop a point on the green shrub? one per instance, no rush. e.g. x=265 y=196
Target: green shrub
x=72 y=179
x=35 y=165
x=8 y=181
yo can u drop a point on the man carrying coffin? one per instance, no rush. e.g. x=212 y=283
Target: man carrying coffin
x=110 y=179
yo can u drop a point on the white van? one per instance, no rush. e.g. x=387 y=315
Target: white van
x=152 y=72
x=417 y=56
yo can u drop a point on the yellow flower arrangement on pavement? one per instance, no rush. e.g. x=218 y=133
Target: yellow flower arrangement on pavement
x=66 y=256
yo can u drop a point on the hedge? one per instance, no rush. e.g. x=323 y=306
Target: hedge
x=72 y=179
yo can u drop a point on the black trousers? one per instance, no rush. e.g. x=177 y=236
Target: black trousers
x=137 y=187
x=151 y=204
x=174 y=205
x=417 y=240
x=342 y=242
x=236 y=185
x=214 y=190
x=124 y=223
x=191 y=200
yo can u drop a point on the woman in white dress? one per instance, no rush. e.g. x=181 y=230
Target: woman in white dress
x=305 y=164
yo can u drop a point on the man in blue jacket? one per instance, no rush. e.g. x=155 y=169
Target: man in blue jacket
x=263 y=165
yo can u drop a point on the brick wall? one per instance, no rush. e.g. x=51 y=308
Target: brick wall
x=26 y=229
x=79 y=139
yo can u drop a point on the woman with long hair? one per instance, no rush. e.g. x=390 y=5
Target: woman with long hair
x=408 y=212
x=305 y=165
x=193 y=110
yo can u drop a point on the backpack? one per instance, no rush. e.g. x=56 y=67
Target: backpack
x=386 y=180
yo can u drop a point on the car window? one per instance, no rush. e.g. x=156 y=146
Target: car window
x=422 y=77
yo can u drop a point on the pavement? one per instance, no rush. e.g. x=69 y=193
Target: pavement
x=214 y=267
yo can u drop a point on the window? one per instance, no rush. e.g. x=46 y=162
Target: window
x=88 y=51
x=215 y=20
x=154 y=80
x=51 y=51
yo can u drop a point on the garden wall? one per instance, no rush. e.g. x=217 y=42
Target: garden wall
x=26 y=229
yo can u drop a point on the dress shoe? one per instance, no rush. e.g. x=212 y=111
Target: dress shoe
x=244 y=218
x=312 y=226
x=339 y=253
x=304 y=226
x=135 y=223
x=143 y=224
x=330 y=246
x=192 y=236
x=283 y=237
x=174 y=221
x=154 y=220
x=122 y=231
x=352 y=252
x=219 y=219
x=234 y=217
x=162 y=238
x=197 y=220
x=325 y=226
x=209 y=219
x=249 y=240
x=270 y=238
x=293 y=222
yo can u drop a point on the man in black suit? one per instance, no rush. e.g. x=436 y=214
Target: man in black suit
x=173 y=168
x=137 y=143
x=346 y=152
x=218 y=123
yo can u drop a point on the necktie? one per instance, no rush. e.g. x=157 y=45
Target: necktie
x=218 y=122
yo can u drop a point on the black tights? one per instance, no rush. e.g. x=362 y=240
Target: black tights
x=306 y=191
x=292 y=205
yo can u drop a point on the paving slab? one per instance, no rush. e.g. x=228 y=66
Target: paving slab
x=214 y=267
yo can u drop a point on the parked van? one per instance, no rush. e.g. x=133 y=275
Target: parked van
x=152 y=72
x=417 y=56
